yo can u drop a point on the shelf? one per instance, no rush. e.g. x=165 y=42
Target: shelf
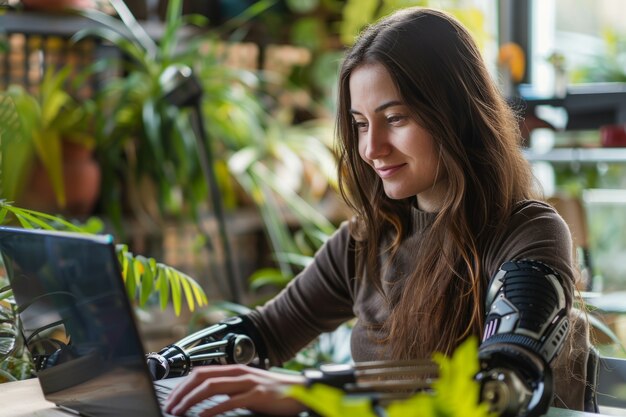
x=45 y=24
x=588 y=106
x=581 y=155
x=65 y=25
x=38 y=40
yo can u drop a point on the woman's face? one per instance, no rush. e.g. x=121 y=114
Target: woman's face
x=399 y=150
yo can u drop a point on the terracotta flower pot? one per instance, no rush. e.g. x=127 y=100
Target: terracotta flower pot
x=57 y=5
x=81 y=177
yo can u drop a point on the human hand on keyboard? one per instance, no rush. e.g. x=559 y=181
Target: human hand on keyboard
x=251 y=388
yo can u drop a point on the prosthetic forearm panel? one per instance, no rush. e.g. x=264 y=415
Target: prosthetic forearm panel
x=526 y=306
x=525 y=328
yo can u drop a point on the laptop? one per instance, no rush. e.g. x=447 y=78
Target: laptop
x=79 y=325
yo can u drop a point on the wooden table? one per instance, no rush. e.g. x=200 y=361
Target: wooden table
x=25 y=399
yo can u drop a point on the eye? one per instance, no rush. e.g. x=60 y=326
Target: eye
x=396 y=119
x=361 y=126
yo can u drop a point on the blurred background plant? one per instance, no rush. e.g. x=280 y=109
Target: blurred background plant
x=607 y=65
x=43 y=133
x=147 y=151
x=147 y=147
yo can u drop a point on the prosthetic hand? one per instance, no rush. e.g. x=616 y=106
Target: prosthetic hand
x=525 y=329
x=234 y=340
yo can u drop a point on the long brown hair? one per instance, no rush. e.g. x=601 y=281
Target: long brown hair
x=441 y=77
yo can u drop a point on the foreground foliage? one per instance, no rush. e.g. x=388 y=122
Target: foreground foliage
x=455 y=394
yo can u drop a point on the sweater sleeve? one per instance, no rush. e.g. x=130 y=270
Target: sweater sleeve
x=318 y=300
x=536 y=232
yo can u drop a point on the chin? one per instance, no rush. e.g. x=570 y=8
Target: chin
x=397 y=195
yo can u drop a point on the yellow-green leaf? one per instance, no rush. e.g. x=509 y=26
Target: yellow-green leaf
x=331 y=402
x=48 y=145
x=188 y=292
x=163 y=287
x=3 y=214
x=146 y=280
x=25 y=224
x=199 y=294
x=131 y=283
x=175 y=285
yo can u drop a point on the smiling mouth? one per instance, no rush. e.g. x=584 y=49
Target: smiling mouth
x=388 y=171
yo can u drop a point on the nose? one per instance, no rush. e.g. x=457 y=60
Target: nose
x=375 y=143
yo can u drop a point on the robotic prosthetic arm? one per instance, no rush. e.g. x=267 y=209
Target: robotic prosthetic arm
x=525 y=328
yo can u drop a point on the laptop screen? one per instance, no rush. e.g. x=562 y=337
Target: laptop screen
x=78 y=323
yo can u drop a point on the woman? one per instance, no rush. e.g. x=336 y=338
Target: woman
x=442 y=196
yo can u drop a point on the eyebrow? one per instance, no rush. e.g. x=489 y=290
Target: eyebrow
x=381 y=107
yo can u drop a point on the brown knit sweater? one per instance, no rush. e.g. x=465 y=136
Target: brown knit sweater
x=328 y=293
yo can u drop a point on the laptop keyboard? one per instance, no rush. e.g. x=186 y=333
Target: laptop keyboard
x=162 y=393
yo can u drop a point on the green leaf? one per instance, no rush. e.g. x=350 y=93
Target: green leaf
x=162 y=286
x=121 y=251
x=3 y=214
x=234 y=308
x=6 y=375
x=300 y=207
x=188 y=292
x=53 y=105
x=268 y=276
x=131 y=280
x=6 y=292
x=46 y=221
x=200 y=295
x=458 y=393
x=175 y=286
x=295 y=259
x=331 y=402
x=356 y=14
x=24 y=222
x=7 y=344
x=93 y=225
x=34 y=221
x=137 y=32
x=303 y=6
x=150 y=276
x=308 y=32
x=152 y=124
x=146 y=279
x=173 y=22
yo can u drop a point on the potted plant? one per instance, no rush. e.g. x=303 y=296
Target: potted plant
x=147 y=144
x=47 y=148
x=607 y=65
x=145 y=279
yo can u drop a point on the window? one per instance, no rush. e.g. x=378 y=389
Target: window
x=589 y=35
